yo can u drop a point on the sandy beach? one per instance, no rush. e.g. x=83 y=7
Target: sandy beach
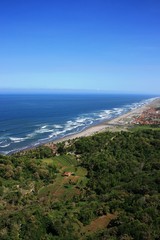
x=117 y=124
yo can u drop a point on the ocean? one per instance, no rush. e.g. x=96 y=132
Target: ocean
x=32 y=119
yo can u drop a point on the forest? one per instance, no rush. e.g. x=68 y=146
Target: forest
x=102 y=187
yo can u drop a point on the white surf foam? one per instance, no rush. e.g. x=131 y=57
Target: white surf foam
x=6 y=145
x=38 y=131
x=16 y=139
x=44 y=126
x=56 y=134
x=57 y=126
x=43 y=130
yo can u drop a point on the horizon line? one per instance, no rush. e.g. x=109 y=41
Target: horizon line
x=69 y=91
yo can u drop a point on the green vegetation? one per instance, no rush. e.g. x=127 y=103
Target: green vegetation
x=112 y=190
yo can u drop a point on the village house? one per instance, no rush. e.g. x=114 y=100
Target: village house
x=67 y=174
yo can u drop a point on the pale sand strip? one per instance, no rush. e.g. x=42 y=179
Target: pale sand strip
x=116 y=124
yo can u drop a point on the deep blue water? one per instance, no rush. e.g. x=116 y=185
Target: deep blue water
x=29 y=120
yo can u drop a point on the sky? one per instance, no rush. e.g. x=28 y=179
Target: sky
x=96 y=45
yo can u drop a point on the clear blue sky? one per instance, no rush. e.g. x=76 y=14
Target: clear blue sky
x=111 y=45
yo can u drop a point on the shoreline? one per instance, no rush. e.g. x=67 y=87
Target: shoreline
x=119 y=123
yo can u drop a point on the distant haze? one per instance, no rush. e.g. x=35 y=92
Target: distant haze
x=70 y=91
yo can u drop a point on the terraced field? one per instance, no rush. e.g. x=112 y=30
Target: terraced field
x=64 y=187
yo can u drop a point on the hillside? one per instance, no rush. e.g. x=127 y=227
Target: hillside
x=105 y=186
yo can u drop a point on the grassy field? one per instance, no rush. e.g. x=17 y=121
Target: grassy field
x=64 y=187
x=60 y=161
x=98 y=224
x=144 y=127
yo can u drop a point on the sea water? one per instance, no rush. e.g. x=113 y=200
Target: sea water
x=32 y=119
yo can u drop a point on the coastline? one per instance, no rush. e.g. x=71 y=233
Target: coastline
x=116 y=124
x=120 y=123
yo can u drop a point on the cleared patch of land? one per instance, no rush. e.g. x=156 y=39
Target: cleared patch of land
x=64 y=187
x=99 y=223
